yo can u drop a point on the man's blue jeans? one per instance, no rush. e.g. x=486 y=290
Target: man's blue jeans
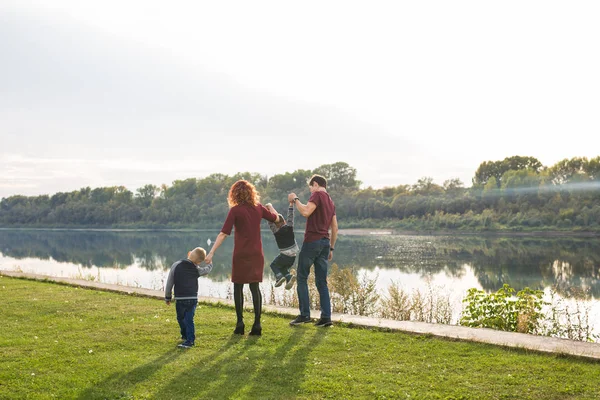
x=185 y=316
x=316 y=253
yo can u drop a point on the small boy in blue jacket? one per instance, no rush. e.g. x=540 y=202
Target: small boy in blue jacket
x=184 y=276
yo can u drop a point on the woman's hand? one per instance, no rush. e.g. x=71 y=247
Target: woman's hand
x=220 y=237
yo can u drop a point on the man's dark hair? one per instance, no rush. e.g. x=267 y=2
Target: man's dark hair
x=321 y=181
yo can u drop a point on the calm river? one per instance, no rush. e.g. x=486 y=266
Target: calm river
x=448 y=264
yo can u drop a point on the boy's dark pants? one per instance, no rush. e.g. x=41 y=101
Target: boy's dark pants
x=281 y=265
x=185 y=316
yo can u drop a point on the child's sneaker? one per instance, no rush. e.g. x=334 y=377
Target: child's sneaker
x=280 y=281
x=186 y=345
x=291 y=282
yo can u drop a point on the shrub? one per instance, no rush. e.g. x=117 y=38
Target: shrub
x=502 y=310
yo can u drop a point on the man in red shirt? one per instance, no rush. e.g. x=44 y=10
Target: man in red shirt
x=317 y=248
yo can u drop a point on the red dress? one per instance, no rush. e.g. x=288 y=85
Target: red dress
x=248 y=260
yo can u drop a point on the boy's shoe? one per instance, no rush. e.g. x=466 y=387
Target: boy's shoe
x=291 y=282
x=280 y=281
x=299 y=320
x=324 y=322
x=186 y=345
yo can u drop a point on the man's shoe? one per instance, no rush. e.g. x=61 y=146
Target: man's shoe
x=290 y=284
x=280 y=281
x=323 y=322
x=300 y=320
x=186 y=345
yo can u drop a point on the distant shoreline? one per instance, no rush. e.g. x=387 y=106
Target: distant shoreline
x=397 y=232
x=342 y=232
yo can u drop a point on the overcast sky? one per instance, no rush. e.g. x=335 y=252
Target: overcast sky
x=136 y=92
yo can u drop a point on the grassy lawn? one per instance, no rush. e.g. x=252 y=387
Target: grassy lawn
x=59 y=342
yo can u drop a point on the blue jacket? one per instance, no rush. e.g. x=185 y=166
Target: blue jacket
x=184 y=276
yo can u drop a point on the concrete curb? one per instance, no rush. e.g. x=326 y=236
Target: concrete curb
x=508 y=339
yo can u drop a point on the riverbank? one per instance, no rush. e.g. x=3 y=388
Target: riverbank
x=447 y=331
x=76 y=343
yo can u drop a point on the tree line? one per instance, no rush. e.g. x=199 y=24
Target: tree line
x=517 y=193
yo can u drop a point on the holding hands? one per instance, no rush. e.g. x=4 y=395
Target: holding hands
x=270 y=207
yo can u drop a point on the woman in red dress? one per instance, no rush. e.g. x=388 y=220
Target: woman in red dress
x=245 y=214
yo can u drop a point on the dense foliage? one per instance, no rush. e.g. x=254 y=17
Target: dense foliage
x=517 y=193
x=503 y=310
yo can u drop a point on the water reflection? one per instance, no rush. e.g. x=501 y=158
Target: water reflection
x=536 y=262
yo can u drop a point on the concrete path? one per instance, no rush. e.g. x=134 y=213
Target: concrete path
x=508 y=339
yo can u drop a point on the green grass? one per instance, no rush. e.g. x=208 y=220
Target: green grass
x=59 y=342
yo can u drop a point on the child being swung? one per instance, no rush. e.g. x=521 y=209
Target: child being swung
x=283 y=230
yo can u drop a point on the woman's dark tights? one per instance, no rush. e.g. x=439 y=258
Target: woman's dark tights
x=238 y=298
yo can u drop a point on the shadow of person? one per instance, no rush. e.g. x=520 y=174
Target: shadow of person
x=246 y=369
x=119 y=383
x=205 y=371
x=285 y=369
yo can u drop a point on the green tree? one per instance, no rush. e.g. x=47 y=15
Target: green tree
x=146 y=194
x=426 y=187
x=592 y=168
x=453 y=186
x=496 y=169
x=569 y=170
x=339 y=175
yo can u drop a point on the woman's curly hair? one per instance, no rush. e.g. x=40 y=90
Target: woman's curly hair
x=242 y=192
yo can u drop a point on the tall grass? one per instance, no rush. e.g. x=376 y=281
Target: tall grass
x=355 y=294
x=568 y=318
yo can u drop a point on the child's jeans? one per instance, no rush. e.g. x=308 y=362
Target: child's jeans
x=281 y=266
x=185 y=316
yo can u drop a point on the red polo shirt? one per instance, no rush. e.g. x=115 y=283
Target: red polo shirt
x=317 y=224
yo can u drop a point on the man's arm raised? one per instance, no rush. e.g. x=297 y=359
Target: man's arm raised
x=304 y=209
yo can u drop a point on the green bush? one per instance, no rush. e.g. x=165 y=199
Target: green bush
x=502 y=310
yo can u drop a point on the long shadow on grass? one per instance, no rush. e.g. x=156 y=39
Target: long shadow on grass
x=248 y=369
x=282 y=375
x=123 y=382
